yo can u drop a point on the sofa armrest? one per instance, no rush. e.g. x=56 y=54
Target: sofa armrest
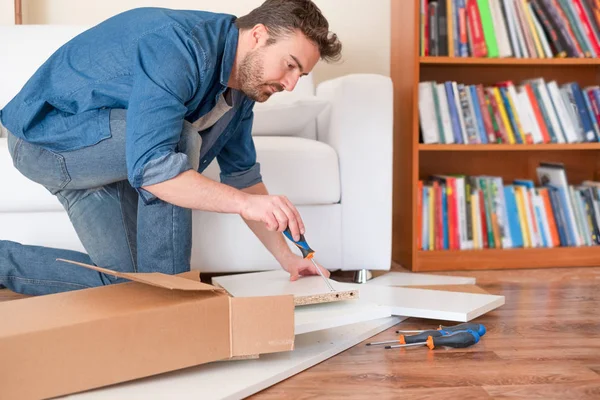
x=359 y=126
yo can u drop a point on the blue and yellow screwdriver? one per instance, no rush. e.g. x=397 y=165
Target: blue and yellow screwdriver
x=307 y=253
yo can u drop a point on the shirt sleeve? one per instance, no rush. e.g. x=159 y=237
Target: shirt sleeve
x=237 y=159
x=165 y=76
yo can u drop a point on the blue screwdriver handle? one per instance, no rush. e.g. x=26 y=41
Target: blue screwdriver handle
x=459 y=339
x=307 y=252
x=479 y=328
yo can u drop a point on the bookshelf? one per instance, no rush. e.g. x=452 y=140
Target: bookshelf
x=414 y=161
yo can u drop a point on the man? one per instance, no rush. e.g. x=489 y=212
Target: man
x=120 y=122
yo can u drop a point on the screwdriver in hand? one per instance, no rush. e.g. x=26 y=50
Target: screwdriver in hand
x=479 y=328
x=307 y=253
x=457 y=340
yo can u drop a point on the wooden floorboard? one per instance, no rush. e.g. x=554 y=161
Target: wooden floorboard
x=316 y=393
x=544 y=343
x=584 y=390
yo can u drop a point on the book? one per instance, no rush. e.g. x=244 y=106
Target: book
x=554 y=175
x=487 y=25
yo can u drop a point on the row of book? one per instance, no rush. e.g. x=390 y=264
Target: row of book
x=458 y=212
x=531 y=112
x=510 y=28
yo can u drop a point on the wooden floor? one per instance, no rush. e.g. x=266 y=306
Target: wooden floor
x=544 y=343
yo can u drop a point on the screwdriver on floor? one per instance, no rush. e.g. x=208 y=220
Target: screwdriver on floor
x=421 y=337
x=457 y=340
x=479 y=328
x=307 y=252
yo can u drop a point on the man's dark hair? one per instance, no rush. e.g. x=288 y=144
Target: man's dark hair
x=282 y=17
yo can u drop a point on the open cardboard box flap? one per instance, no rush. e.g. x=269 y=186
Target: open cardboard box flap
x=153 y=278
x=70 y=342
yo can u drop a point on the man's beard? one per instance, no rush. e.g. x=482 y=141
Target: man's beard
x=251 y=73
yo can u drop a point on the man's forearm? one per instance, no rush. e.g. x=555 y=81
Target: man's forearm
x=272 y=240
x=193 y=190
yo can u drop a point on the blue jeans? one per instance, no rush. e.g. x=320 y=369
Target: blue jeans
x=117 y=229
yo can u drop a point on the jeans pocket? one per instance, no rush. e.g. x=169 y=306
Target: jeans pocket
x=40 y=165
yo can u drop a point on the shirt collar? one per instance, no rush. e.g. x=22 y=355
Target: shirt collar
x=229 y=51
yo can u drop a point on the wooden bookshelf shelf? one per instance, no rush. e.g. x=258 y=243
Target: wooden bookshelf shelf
x=441 y=260
x=509 y=147
x=509 y=61
x=414 y=161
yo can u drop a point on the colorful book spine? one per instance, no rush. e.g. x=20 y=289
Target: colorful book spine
x=478 y=47
x=550 y=28
x=462 y=28
x=454 y=117
x=487 y=26
x=476 y=107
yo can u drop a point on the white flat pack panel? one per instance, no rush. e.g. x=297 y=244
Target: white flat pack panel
x=243 y=378
x=316 y=317
x=431 y=304
x=274 y=283
x=416 y=279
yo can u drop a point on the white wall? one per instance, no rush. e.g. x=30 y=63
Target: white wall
x=362 y=25
x=7 y=12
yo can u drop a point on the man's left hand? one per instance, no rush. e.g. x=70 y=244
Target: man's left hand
x=298 y=266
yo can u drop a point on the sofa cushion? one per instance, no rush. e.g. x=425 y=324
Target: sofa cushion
x=304 y=170
x=290 y=118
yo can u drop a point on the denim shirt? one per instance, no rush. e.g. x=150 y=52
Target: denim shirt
x=163 y=66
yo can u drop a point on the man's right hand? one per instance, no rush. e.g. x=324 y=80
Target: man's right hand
x=276 y=212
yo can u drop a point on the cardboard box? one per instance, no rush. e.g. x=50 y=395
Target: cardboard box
x=70 y=342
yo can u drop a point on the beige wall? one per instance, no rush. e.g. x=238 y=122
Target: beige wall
x=7 y=12
x=362 y=25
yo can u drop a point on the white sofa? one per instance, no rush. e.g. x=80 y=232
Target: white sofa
x=337 y=170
